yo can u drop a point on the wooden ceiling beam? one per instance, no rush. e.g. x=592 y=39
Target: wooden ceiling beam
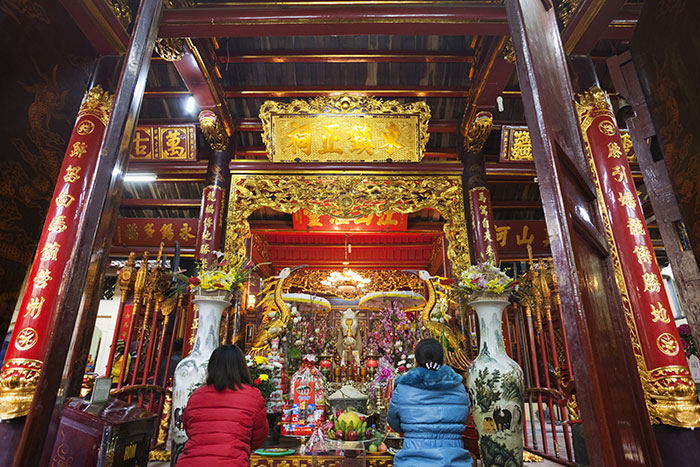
x=313 y=91
x=592 y=19
x=97 y=20
x=400 y=18
x=198 y=71
x=148 y=203
x=367 y=56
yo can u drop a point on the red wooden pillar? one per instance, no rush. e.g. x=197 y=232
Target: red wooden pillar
x=476 y=190
x=211 y=215
x=668 y=385
x=611 y=400
x=24 y=359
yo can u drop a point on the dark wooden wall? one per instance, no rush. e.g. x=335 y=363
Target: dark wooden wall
x=46 y=62
x=665 y=50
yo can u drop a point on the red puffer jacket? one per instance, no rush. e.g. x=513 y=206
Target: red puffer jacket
x=223 y=427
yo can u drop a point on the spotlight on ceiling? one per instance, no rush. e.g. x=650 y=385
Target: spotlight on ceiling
x=190 y=105
x=140 y=178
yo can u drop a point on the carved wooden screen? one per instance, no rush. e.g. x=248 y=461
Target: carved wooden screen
x=616 y=424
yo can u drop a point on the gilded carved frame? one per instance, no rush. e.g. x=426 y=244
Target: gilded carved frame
x=348 y=197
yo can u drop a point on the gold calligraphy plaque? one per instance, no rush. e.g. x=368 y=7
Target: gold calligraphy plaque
x=345 y=129
x=164 y=143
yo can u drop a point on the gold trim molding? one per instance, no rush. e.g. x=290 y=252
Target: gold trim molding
x=213 y=130
x=98 y=103
x=345 y=119
x=479 y=130
x=18 y=379
x=348 y=197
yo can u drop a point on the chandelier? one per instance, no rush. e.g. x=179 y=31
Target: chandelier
x=346 y=280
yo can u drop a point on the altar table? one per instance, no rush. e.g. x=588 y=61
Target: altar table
x=378 y=460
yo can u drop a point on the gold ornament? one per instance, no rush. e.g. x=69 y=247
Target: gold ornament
x=97 y=103
x=121 y=10
x=213 y=131
x=348 y=197
x=478 y=132
x=26 y=339
x=18 y=378
x=170 y=49
x=667 y=344
x=85 y=128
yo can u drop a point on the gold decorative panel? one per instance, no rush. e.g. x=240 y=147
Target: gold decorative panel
x=345 y=129
x=348 y=197
x=517 y=147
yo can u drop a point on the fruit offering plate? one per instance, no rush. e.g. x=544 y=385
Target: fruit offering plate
x=274 y=452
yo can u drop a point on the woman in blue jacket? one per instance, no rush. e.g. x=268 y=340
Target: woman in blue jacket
x=430 y=406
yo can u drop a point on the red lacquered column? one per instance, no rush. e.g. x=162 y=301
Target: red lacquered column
x=668 y=386
x=23 y=361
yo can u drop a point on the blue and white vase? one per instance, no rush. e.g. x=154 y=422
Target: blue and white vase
x=495 y=385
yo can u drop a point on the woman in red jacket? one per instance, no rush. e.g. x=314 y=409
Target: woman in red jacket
x=226 y=418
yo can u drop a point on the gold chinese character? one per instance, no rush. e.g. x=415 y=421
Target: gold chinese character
x=140 y=149
x=64 y=199
x=186 y=232
x=340 y=221
x=387 y=218
x=206 y=235
x=626 y=199
x=367 y=220
x=361 y=139
x=209 y=209
x=208 y=222
x=391 y=134
x=132 y=232
x=489 y=251
x=659 y=314
x=172 y=141
x=607 y=128
x=328 y=142
x=58 y=224
x=26 y=339
x=643 y=254
x=71 y=174
x=619 y=174
x=502 y=235
x=487 y=236
x=523 y=238
x=314 y=219
x=166 y=232
x=614 y=151
x=204 y=249
x=651 y=282
x=668 y=344
x=483 y=210
x=300 y=138
x=149 y=230
x=79 y=148
x=85 y=128
x=635 y=225
x=49 y=252
x=482 y=196
x=485 y=223
x=211 y=196
x=34 y=307
x=42 y=278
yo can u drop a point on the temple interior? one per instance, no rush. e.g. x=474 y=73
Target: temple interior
x=325 y=184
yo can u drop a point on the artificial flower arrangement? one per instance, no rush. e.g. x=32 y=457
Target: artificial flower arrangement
x=216 y=275
x=484 y=278
x=394 y=334
x=261 y=372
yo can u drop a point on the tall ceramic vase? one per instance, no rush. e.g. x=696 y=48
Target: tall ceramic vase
x=495 y=383
x=191 y=372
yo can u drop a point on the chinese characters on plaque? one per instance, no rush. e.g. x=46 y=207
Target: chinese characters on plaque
x=345 y=129
x=164 y=143
x=150 y=232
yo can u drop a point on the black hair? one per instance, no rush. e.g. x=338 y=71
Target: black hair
x=227 y=369
x=429 y=353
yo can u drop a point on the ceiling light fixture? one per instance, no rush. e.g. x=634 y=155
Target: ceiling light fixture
x=140 y=178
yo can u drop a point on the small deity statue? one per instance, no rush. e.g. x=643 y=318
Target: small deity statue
x=349 y=341
x=275 y=356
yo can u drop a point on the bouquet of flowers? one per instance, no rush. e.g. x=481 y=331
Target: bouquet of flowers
x=484 y=278
x=261 y=370
x=214 y=276
x=687 y=341
x=393 y=337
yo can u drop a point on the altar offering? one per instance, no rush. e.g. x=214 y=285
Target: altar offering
x=308 y=399
x=348 y=397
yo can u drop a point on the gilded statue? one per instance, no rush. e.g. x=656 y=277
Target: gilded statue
x=272 y=302
x=349 y=340
x=455 y=356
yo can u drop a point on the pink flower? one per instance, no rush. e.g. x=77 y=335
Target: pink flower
x=194 y=281
x=257 y=381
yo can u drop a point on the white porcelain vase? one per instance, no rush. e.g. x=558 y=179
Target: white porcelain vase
x=191 y=372
x=495 y=384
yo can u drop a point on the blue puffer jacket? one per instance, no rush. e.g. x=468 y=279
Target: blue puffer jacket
x=430 y=408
